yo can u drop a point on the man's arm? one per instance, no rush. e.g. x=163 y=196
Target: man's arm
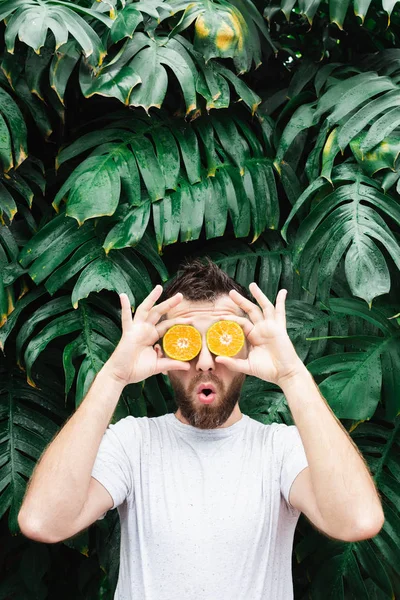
x=58 y=499
x=337 y=483
x=59 y=486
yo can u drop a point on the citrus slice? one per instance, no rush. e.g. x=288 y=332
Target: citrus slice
x=225 y=338
x=182 y=342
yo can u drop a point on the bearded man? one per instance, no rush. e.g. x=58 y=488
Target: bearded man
x=208 y=498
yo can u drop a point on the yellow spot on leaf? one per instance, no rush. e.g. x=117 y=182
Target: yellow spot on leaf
x=225 y=37
x=329 y=143
x=239 y=25
x=201 y=28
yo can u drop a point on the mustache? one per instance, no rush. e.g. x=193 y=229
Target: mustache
x=204 y=378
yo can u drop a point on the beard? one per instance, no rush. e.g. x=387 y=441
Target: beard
x=207 y=416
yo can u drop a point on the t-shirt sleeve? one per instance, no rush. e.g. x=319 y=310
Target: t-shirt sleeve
x=294 y=460
x=112 y=466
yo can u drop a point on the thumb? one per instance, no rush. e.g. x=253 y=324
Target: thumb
x=234 y=364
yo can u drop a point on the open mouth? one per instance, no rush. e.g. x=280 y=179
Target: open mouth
x=206 y=393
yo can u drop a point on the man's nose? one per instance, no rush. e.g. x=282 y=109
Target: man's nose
x=205 y=359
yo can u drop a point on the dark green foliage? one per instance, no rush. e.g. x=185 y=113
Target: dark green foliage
x=263 y=134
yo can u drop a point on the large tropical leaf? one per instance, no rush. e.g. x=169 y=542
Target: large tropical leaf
x=61 y=250
x=224 y=29
x=214 y=166
x=28 y=423
x=360 y=111
x=31 y=21
x=376 y=362
x=137 y=75
x=345 y=220
x=98 y=335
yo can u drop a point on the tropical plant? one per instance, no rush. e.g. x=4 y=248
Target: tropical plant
x=265 y=135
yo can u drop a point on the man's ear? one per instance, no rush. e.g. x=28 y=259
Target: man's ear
x=160 y=354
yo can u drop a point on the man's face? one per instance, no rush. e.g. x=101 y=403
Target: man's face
x=194 y=407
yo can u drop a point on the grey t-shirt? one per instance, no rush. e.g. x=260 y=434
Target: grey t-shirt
x=204 y=514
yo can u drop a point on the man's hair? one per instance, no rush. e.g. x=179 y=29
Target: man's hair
x=202 y=280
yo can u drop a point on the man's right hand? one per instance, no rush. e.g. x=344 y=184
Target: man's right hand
x=135 y=359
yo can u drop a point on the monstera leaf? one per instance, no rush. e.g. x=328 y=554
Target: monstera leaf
x=31 y=20
x=346 y=216
x=375 y=362
x=61 y=250
x=151 y=13
x=137 y=75
x=225 y=30
x=98 y=335
x=142 y=60
x=28 y=423
x=348 y=109
x=237 y=178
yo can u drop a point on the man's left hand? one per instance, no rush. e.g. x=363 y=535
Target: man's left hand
x=271 y=356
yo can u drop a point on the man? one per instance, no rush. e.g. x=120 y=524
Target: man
x=208 y=498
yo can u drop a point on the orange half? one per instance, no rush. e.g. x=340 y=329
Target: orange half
x=225 y=338
x=182 y=342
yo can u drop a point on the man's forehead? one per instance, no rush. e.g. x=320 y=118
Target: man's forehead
x=222 y=306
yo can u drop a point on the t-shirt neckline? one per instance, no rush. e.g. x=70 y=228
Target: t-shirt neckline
x=209 y=433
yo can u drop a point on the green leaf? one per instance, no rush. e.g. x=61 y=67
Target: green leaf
x=354 y=222
x=130 y=228
x=337 y=11
x=96 y=192
x=28 y=424
x=126 y=22
x=62 y=65
x=140 y=74
x=58 y=251
x=101 y=274
x=13 y=132
x=361 y=8
x=31 y=23
x=303 y=118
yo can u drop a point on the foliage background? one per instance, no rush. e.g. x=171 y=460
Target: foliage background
x=132 y=134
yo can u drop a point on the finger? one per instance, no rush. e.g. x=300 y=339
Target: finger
x=244 y=322
x=126 y=312
x=161 y=309
x=169 y=364
x=266 y=305
x=143 y=309
x=280 y=310
x=250 y=308
x=238 y=365
x=163 y=327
